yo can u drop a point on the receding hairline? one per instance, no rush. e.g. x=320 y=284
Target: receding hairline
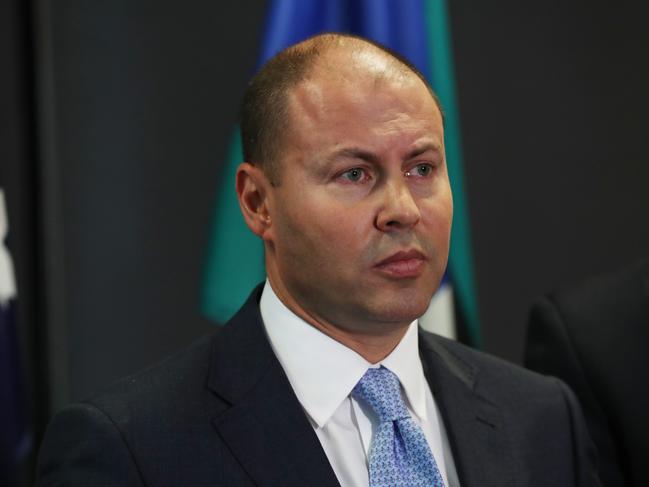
x=321 y=47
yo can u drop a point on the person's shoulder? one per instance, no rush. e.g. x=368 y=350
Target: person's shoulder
x=130 y=419
x=175 y=377
x=471 y=357
x=178 y=386
x=581 y=313
x=607 y=293
x=521 y=395
x=490 y=372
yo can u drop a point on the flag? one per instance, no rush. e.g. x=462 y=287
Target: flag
x=14 y=436
x=416 y=29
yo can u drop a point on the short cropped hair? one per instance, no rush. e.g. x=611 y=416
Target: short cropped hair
x=264 y=110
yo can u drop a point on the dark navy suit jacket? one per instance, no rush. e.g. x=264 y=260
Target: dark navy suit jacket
x=222 y=413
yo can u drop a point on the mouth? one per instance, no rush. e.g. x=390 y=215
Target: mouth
x=402 y=264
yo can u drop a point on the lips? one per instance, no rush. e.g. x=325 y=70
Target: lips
x=402 y=264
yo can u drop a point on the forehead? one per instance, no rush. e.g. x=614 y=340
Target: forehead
x=357 y=100
x=345 y=76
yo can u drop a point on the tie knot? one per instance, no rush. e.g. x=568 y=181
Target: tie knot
x=381 y=390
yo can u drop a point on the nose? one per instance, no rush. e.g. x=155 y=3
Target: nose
x=399 y=209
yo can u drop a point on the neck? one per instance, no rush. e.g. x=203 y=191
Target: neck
x=372 y=345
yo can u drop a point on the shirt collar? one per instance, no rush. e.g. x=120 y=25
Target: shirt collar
x=405 y=363
x=323 y=372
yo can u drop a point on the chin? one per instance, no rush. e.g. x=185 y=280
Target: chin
x=408 y=301
x=402 y=311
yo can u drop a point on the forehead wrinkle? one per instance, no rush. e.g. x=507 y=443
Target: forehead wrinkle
x=319 y=100
x=355 y=63
x=401 y=126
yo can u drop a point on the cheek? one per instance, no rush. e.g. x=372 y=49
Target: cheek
x=438 y=217
x=322 y=234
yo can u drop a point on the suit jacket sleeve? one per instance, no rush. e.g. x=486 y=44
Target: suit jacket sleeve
x=551 y=351
x=84 y=447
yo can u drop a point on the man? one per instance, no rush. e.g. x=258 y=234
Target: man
x=594 y=336
x=323 y=378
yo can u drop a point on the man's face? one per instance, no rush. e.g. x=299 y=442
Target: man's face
x=362 y=215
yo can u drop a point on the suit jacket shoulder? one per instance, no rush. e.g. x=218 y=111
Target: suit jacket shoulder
x=221 y=412
x=507 y=425
x=124 y=435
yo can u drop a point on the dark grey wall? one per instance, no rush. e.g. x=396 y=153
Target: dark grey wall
x=144 y=98
x=554 y=105
x=138 y=103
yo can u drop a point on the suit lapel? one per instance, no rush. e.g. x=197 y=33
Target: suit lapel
x=268 y=432
x=474 y=424
x=265 y=428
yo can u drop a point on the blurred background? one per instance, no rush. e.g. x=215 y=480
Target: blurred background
x=115 y=123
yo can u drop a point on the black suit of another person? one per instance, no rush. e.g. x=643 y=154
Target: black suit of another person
x=595 y=336
x=223 y=413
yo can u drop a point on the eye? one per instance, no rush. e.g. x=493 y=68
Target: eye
x=420 y=170
x=354 y=174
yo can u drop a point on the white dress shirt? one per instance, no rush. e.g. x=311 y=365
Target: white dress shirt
x=323 y=373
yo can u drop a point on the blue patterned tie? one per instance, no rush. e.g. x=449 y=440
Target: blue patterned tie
x=399 y=453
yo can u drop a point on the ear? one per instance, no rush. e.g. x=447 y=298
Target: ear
x=252 y=187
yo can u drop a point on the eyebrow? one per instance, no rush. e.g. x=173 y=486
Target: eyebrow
x=358 y=153
x=354 y=153
x=426 y=147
